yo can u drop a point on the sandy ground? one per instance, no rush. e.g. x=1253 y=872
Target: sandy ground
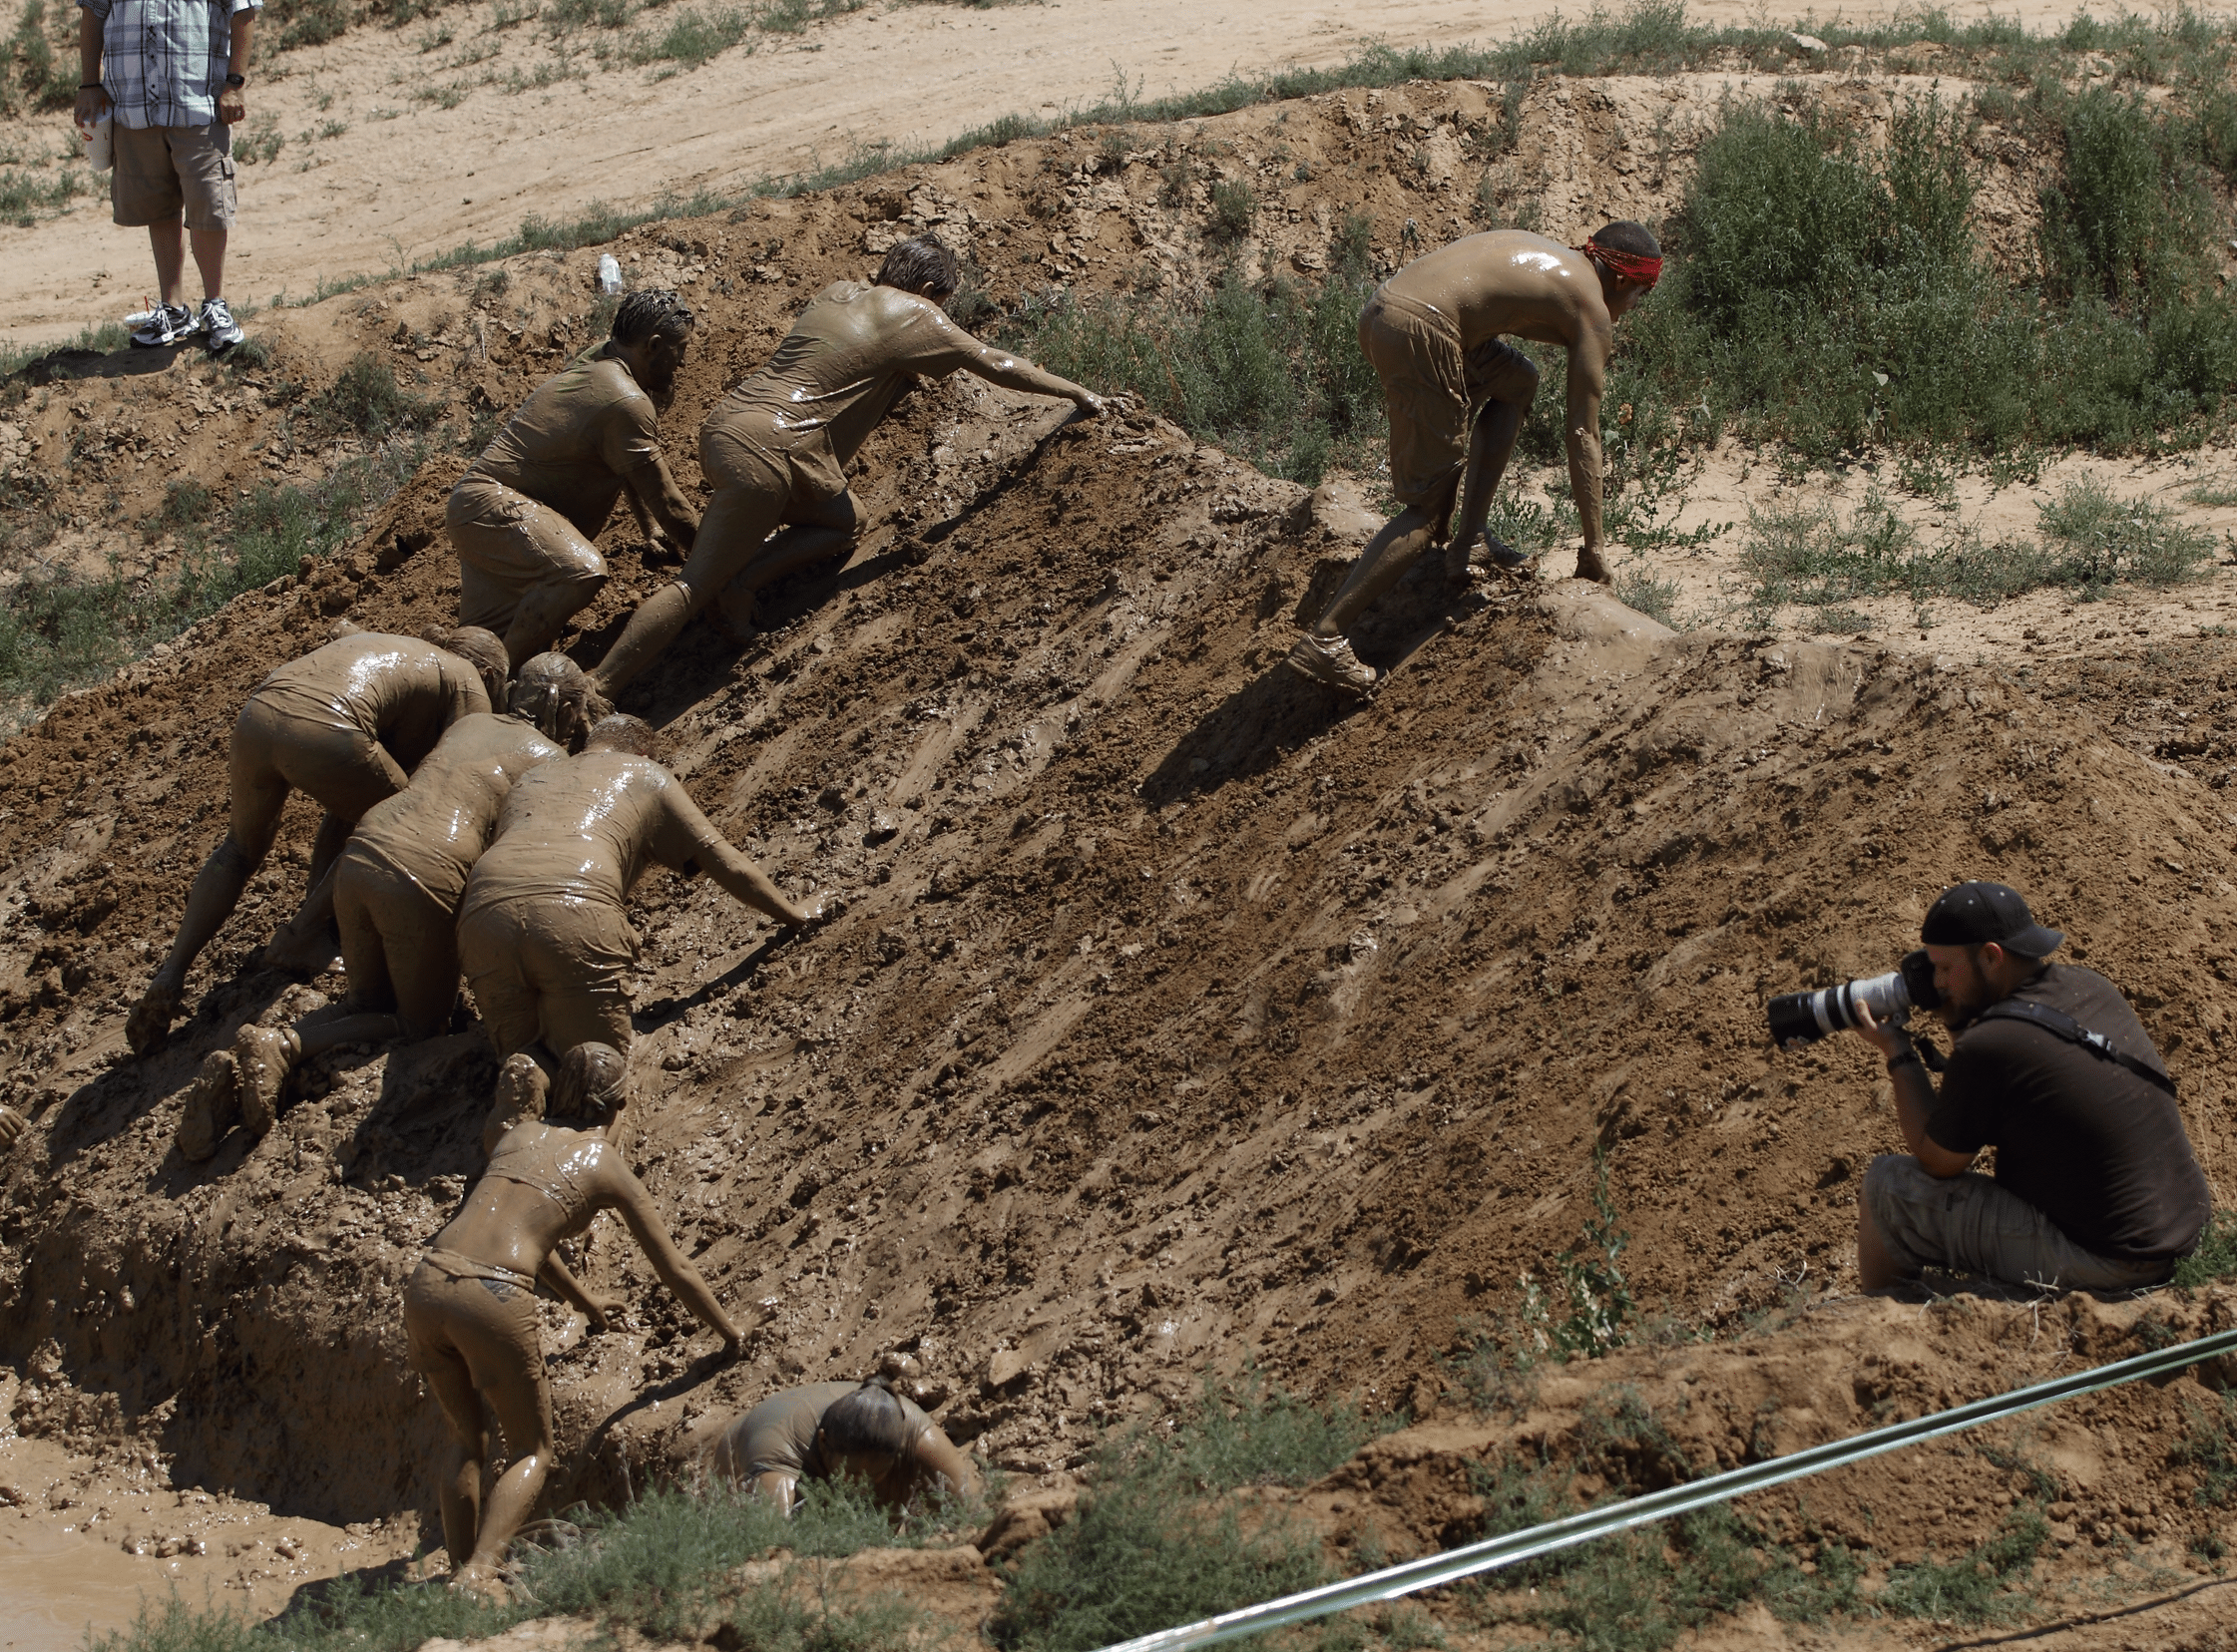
x=404 y=177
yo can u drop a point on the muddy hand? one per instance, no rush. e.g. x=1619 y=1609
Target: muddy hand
x=148 y=1024
x=605 y=1310
x=11 y=1127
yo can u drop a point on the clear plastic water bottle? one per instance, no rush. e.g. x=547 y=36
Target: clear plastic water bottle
x=609 y=273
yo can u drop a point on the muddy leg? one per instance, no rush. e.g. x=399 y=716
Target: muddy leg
x=544 y=613
x=460 y=1483
x=823 y=531
x=1876 y=1269
x=523 y=1411
x=731 y=535
x=1382 y=565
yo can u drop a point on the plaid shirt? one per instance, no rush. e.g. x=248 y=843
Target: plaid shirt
x=164 y=62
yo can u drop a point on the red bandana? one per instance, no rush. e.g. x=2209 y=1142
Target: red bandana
x=1628 y=267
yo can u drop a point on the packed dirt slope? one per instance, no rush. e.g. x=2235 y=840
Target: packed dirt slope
x=401 y=142
x=1179 y=1015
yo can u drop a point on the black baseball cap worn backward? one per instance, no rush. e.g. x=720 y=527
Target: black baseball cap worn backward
x=1974 y=914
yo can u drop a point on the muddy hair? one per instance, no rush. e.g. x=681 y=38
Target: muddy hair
x=920 y=264
x=1625 y=236
x=870 y=1422
x=590 y=1087
x=558 y=698
x=622 y=733
x=644 y=316
x=481 y=649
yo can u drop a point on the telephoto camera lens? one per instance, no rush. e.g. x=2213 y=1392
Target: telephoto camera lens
x=1805 y=1018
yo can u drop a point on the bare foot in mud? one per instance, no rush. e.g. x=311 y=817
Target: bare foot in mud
x=149 y=1021
x=213 y=1103
x=1591 y=567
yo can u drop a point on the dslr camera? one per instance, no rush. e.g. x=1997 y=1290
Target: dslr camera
x=1805 y=1018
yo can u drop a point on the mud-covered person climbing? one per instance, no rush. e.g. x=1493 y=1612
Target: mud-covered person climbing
x=842 y=1430
x=396 y=890
x=523 y=518
x=470 y=1308
x=1456 y=393
x=776 y=448
x=346 y=724
x=543 y=928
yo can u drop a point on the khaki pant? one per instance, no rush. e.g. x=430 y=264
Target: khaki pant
x=552 y=968
x=164 y=173
x=1432 y=385
x=1967 y=1224
x=399 y=943
x=510 y=545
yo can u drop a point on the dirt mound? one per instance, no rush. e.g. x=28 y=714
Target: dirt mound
x=1179 y=1015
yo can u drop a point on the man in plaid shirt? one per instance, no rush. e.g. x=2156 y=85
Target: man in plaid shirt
x=171 y=72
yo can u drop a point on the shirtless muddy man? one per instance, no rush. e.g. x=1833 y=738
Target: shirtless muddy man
x=1433 y=332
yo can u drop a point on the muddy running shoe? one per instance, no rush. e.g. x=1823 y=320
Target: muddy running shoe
x=1332 y=661
x=1505 y=559
x=220 y=332
x=169 y=324
x=1589 y=567
x=213 y=1103
x=263 y=1057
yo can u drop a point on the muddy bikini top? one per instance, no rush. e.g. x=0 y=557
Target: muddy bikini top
x=559 y=1175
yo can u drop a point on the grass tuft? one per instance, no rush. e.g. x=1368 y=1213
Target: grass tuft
x=2216 y=1255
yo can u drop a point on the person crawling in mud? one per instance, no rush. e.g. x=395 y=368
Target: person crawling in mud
x=470 y=1305
x=841 y=1430
x=2096 y=1187
x=543 y=928
x=775 y=449
x=347 y=723
x=1434 y=332
x=523 y=518
x=397 y=884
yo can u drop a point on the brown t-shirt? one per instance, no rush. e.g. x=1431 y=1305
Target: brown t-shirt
x=434 y=829
x=778 y=1434
x=584 y=829
x=573 y=441
x=838 y=372
x=400 y=691
x=2098 y=1149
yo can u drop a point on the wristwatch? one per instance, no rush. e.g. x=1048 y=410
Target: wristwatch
x=237 y=82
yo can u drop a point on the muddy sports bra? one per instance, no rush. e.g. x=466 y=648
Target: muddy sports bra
x=557 y=1184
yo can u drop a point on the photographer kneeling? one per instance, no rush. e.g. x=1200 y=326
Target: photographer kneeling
x=2096 y=1187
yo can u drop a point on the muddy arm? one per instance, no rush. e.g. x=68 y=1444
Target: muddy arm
x=711 y=852
x=1580 y=433
x=938 y=1455
x=675 y=1269
x=655 y=498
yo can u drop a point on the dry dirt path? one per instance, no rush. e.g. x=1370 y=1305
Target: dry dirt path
x=374 y=170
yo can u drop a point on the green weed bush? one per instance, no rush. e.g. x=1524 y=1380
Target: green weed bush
x=2216 y=1255
x=1250 y=1432
x=365 y=398
x=2209 y=1445
x=1982 y=1586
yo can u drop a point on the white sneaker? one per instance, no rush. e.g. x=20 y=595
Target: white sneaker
x=1332 y=661
x=169 y=324
x=220 y=332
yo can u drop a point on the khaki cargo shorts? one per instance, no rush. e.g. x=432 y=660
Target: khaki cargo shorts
x=163 y=173
x=510 y=545
x=1431 y=387
x=1967 y=1224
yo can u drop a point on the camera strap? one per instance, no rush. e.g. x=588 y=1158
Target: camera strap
x=2061 y=1024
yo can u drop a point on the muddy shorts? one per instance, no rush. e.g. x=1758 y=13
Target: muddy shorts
x=399 y=942
x=1431 y=387
x=163 y=173
x=1967 y=1224
x=550 y=968
x=456 y=1315
x=756 y=488
x=508 y=544
x=343 y=770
